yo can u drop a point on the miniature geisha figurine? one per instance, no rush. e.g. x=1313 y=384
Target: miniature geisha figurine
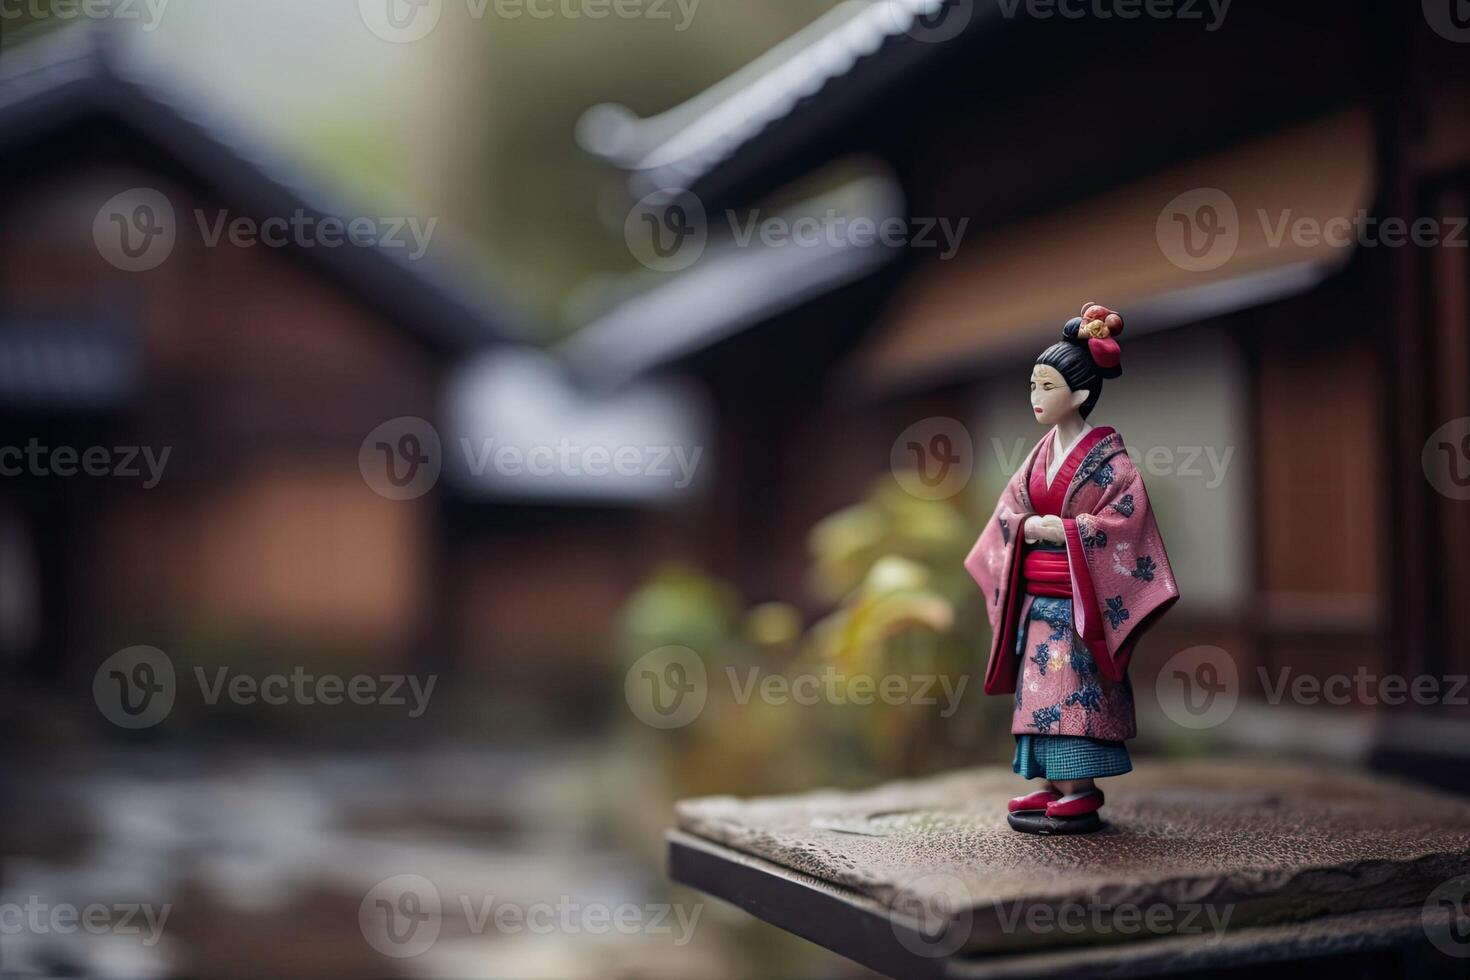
x=1073 y=571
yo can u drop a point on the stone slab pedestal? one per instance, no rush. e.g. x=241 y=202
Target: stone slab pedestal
x=1202 y=866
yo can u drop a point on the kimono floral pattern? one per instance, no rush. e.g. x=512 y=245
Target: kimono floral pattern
x=1092 y=536
x=1141 y=567
x=1117 y=612
x=1060 y=691
x=1095 y=459
x=1042 y=719
x=1041 y=658
x=1056 y=613
x=1124 y=505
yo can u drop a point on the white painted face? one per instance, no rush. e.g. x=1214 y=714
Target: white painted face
x=1051 y=399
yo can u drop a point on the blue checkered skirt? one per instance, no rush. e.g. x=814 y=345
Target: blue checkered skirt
x=1069 y=757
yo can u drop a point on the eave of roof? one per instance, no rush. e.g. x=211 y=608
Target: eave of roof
x=856 y=49
x=76 y=77
x=733 y=286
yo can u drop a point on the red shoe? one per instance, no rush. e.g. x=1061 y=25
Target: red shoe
x=1076 y=805
x=1039 y=800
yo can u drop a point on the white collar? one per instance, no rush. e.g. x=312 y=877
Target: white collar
x=1054 y=464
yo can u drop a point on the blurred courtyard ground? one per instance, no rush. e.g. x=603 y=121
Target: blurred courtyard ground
x=256 y=863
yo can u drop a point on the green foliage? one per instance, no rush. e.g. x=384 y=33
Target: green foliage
x=932 y=534
x=899 y=607
x=680 y=605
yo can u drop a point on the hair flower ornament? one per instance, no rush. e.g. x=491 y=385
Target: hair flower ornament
x=1099 y=326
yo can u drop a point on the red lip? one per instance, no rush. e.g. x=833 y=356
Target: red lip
x=1036 y=410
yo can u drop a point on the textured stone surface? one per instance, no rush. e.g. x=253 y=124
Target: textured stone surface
x=1257 y=842
x=1358 y=934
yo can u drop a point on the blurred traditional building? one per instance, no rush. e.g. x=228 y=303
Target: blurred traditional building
x=226 y=386
x=1094 y=159
x=259 y=370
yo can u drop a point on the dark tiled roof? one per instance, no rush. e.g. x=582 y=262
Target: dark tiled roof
x=77 y=77
x=811 y=80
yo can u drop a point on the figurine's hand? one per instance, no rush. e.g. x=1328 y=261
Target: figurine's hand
x=1048 y=529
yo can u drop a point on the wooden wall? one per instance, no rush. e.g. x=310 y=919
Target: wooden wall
x=263 y=378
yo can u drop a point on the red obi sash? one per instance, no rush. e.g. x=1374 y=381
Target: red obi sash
x=1046 y=573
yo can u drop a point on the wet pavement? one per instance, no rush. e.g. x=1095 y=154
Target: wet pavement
x=246 y=863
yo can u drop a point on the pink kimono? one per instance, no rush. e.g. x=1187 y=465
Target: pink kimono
x=1065 y=620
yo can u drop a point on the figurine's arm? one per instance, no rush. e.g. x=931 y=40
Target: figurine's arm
x=1121 y=573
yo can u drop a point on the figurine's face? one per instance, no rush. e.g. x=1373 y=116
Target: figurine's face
x=1051 y=399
